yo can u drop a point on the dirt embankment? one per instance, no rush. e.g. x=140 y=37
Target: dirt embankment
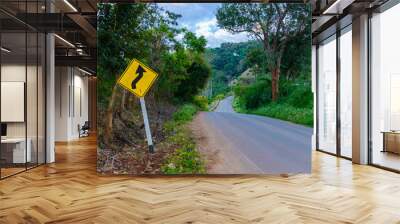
x=128 y=151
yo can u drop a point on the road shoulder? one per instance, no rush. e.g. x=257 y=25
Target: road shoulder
x=216 y=150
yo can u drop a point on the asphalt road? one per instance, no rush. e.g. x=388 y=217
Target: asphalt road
x=260 y=144
x=225 y=105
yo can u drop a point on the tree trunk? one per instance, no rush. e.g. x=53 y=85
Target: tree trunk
x=109 y=116
x=276 y=72
x=123 y=101
x=275 y=82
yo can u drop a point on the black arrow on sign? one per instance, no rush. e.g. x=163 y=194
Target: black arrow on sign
x=140 y=72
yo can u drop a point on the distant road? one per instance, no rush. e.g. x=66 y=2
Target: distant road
x=243 y=143
x=225 y=105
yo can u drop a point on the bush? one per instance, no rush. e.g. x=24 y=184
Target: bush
x=253 y=96
x=201 y=102
x=301 y=97
x=185 y=159
x=198 y=73
x=237 y=106
x=184 y=114
x=219 y=97
x=295 y=103
x=287 y=112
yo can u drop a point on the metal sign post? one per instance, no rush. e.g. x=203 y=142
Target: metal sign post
x=146 y=125
x=137 y=79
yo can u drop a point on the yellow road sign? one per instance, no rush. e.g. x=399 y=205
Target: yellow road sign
x=137 y=78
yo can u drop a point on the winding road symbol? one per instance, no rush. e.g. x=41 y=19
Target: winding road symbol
x=140 y=72
x=137 y=78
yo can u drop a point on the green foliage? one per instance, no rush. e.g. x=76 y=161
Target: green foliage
x=174 y=70
x=195 y=44
x=227 y=63
x=148 y=33
x=185 y=159
x=277 y=25
x=256 y=59
x=185 y=114
x=201 y=102
x=287 y=112
x=192 y=85
x=218 y=84
x=295 y=104
x=238 y=106
x=230 y=57
x=297 y=58
x=219 y=97
x=301 y=97
x=253 y=96
x=182 y=116
x=113 y=30
x=280 y=55
x=291 y=20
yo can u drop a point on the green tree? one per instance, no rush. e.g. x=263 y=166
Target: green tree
x=193 y=43
x=127 y=31
x=297 y=55
x=118 y=41
x=184 y=70
x=199 y=72
x=148 y=33
x=274 y=25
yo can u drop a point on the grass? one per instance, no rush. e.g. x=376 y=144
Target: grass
x=280 y=111
x=185 y=159
x=201 y=102
x=184 y=114
x=238 y=107
x=286 y=112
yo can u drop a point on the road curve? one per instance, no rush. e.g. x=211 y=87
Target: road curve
x=225 y=105
x=248 y=143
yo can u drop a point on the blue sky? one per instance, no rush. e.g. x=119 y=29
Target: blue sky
x=200 y=19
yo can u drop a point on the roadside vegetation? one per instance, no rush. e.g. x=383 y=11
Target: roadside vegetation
x=185 y=159
x=296 y=107
x=270 y=75
x=252 y=89
x=148 y=33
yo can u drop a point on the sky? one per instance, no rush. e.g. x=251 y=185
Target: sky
x=200 y=19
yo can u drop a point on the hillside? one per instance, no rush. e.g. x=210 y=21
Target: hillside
x=227 y=63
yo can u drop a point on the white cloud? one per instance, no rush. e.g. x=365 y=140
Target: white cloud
x=174 y=4
x=179 y=37
x=215 y=36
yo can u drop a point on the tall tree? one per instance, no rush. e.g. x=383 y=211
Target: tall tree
x=274 y=25
x=114 y=28
x=127 y=31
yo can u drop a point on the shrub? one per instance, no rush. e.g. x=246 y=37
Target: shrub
x=201 y=102
x=301 y=97
x=295 y=103
x=198 y=74
x=185 y=113
x=237 y=106
x=287 y=112
x=219 y=97
x=184 y=161
x=253 y=96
